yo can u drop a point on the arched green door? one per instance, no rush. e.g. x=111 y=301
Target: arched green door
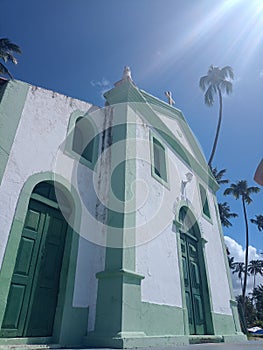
x=34 y=287
x=194 y=278
x=192 y=285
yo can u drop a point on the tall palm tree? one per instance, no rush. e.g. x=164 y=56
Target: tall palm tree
x=217 y=81
x=258 y=221
x=241 y=190
x=225 y=214
x=255 y=267
x=218 y=175
x=7 y=50
x=239 y=268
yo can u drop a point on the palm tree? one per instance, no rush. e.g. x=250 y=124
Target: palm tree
x=241 y=190
x=231 y=262
x=225 y=214
x=217 y=81
x=7 y=50
x=255 y=267
x=258 y=298
x=218 y=175
x=239 y=268
x=258 y=221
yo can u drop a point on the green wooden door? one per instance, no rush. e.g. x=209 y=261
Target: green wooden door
x=193 y=284
x=32 y=299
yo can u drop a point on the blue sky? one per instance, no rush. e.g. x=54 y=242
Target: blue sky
x=79 y=48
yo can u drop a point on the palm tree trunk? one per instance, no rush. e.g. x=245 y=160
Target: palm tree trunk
x=217 y=129
x=246 y=255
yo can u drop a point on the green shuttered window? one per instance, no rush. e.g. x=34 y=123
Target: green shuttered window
x=204 y=201
x=159 y=160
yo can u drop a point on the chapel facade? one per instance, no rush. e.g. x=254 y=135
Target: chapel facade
x=110 y=231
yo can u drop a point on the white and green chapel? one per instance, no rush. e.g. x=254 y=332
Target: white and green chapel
x=109 y=227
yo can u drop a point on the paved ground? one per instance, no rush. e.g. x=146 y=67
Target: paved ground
x=250 y=345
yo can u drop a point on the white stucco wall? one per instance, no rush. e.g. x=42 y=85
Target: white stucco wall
x=41 y=130
x=156 y=251
x=176 y=129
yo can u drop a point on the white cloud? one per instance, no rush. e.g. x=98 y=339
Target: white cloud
x=261 y=74
x=238 y=253
x=103 y=85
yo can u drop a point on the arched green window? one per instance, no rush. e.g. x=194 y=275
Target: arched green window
x=84 y=139
x=204 y=201
x=159 y=162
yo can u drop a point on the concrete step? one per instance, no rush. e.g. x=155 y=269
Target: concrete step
x=203 y=339
x=29 y=347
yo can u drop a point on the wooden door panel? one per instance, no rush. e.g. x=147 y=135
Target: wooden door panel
x=32 y=298
x=192 y=285
x=21 y=282
x=43 y=308
x=13 y=308
x=24 y=256
x=32 y=220
x=195 y=277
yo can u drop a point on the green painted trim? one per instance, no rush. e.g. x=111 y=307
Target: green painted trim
x=236 y=338
x=154 y=175
x=121 y=272
x=174 y=113
x=181 y=272
x=13 y=97
x=206 y=287
x=11 y=342
x=119 y=286
x=132 y=341
x=44 y=200
x=223 y=324
x=128 y=92
x=162 y=319
x=71 y=322
x=65 y=311
x=68 y=144
x=208 y=218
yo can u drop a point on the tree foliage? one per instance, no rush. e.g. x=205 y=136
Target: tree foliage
x=218 y=81
x=7 y=50
x=241 y=190
x=225 y=214
x=258 y=221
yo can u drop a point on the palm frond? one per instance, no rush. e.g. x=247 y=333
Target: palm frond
x=6 y=44
x=218 y=175
x=258 y=221
x=5 y=71
x=203 y=82
x=227 y=71
x=209 y=96
x=226 y=86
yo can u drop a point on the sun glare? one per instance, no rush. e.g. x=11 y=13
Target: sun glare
x=235 y=24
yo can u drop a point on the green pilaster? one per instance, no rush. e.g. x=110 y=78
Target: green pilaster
x=12 y=99
x=118 y=309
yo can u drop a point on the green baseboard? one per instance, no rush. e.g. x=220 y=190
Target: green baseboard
x=235 y=338
x=26 y=341
x=133 y=340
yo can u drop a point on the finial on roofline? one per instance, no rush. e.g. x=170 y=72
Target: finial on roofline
x=126 y=76
x=168 y=94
